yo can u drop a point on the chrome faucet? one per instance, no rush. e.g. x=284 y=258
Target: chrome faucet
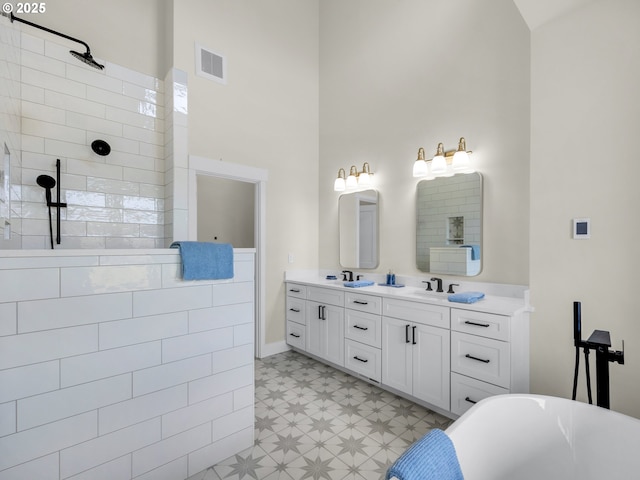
x=439 y=284
x=344 y=276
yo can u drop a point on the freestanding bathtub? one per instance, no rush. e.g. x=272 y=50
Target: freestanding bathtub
x=521 y=437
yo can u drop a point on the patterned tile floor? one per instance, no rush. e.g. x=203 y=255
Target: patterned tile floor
x=316 y=422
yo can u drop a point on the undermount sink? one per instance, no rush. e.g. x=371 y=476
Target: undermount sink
x=433 y=296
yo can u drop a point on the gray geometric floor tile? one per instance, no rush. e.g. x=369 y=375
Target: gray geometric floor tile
x=316 y=422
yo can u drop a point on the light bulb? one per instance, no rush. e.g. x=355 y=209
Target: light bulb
x=439 y=163
x=461 y=160
x=420 y=168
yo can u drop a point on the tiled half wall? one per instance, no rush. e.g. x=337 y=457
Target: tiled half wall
x=112 y=367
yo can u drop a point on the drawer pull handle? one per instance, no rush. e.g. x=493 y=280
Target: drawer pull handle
x=475 y=324
x=295 y=335
x=477 y=359
x=406 y=334
x=469 y=400
x=360 y=303
x=363 y=360
x=360 y=328
x=294 y=290
x=297 y=310
x=414 y=335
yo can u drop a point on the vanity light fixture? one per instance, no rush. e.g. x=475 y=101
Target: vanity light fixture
x=354 y=179
x=443 y=164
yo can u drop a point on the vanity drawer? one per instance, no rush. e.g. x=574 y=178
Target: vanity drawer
x=364 y=303
x=363 y=327
x=426 y=314
x=295 y=335
x=296 y=290
x=466 y=392
x=363 y=359
x=482 y=358
x=295 y=310
x=479 y=323
x=326 y=295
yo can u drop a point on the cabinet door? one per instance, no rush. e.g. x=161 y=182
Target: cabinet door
x=334 y=334
x=325 y=332
x=315 y=330
x=431 y=365
x=396 y=354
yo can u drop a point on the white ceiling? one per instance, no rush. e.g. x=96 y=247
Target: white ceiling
x=538 y=12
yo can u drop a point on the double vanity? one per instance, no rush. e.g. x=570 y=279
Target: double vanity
x=417 y=344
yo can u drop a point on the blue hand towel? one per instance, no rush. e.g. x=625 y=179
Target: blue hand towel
x=466 y=297
x=205 y=260
x=475 y=251
x=358 y=283
x=433 y=457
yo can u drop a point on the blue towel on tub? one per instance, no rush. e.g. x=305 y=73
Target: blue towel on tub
x=205 y=260
x=358 y=283
x=433 y=457
x=466 y=297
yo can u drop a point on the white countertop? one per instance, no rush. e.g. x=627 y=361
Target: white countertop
x=491 y=303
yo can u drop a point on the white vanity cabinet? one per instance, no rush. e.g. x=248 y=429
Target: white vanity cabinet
x=415 y=350
x=446 y=356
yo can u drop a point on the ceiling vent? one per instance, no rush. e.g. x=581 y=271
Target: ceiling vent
x=211 y=65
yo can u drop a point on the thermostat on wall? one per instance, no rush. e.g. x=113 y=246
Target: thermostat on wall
x=581 y=228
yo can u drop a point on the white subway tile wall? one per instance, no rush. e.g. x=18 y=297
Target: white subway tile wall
x=114 y=201
x=10 y=139
x=146 y=378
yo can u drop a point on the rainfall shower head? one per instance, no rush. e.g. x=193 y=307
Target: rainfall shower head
x=86 y=58
x=83 y=57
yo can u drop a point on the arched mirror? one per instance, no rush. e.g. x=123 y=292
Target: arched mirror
x=449 y=225
x=358 y=213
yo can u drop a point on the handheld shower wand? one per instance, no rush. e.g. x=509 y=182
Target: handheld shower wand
x=47 y=182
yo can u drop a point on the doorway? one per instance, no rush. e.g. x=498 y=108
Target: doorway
x=247 y=179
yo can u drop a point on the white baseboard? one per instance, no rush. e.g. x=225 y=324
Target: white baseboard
x=269 y=349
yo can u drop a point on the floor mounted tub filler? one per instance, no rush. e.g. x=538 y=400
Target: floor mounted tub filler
x=509 y=437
